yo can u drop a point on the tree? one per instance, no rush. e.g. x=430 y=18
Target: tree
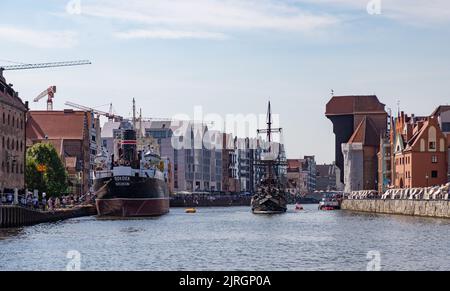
x=45 y=170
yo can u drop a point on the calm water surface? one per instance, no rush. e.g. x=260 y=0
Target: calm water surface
x=232 y=239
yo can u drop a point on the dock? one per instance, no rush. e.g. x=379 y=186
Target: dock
x=16 y=216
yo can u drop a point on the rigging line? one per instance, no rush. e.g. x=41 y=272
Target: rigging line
x=101 y=106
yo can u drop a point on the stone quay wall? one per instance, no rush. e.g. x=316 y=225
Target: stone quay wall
x=15 y=216
x=424 y=208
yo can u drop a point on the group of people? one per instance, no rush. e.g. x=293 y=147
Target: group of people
x=44 y=203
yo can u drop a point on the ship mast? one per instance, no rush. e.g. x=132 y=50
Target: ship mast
x=269 y=130
x=140 y=123
x=269 y=123
x=134 y=114
x=269 y=138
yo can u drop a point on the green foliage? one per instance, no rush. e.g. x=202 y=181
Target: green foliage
x=53 y=180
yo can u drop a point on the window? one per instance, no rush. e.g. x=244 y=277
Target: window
x=434 y=159
x=432 y=145
x=434 y=174
x=446 y=126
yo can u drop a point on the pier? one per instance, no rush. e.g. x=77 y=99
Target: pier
x=16 y=216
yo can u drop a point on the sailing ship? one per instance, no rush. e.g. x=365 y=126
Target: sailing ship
x=270 y=197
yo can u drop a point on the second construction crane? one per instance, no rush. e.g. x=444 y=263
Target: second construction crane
x=50 y=94
x=110 y=115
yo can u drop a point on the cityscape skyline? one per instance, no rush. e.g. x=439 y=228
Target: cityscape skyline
x=172 y=58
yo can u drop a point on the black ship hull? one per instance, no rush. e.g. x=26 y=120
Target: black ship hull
x=131 y=196
x=269 y=205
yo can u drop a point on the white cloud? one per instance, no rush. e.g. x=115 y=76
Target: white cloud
x=39 y=39
x=409 y=11
x=213 y=18
x=169 y=34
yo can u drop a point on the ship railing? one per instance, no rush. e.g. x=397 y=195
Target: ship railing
x=103 y=174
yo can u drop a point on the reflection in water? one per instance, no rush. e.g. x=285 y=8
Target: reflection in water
x=10 y=233
x=232 y=239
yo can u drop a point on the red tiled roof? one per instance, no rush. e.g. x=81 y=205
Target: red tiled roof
x=293 y=164
x=55 y=125
x=440 y=109
x=348 y=105
x=365 y=133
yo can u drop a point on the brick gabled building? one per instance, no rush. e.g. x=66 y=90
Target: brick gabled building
x=69 y=132
x=419 y=152
x=12 y=138
x=442 y=114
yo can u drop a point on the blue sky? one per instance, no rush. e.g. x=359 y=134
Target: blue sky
x=232 y=56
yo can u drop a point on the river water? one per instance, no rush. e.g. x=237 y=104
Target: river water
x=232 y=239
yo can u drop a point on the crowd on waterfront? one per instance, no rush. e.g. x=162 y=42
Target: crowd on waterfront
x=425 y=193
x=44 y=203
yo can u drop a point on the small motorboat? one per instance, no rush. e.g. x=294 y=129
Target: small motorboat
x=298 y=207
x=191 y=210
x=329 y=203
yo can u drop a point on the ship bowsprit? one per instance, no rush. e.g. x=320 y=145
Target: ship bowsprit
x=269 y=204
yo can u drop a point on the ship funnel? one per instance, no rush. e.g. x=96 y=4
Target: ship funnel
x=129 y=145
